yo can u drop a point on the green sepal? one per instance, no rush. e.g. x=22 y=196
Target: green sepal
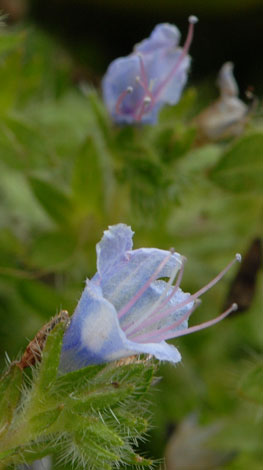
x=93 y=452
x=95 y=429
x=50 y=361
x=28 y=453
x=43 y=421
x=136 y=373
x=138 y=460
x=137 y=425
x=76 y=380
x=101 y=397
x=10 y=392
x=102 y=432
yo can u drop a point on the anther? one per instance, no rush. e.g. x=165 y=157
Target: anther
x=121 y=98
x=238 y=257
x=147 y=100
x=193 y=19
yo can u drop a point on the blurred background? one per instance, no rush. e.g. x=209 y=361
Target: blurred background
x=66 y=173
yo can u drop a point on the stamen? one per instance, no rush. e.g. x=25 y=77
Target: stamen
x=192 y=20
x=122 y=96
x=143 y=72
x=146 y=101
x=159 y=335
x=150 y=321
x=203 y=325
x=141 y=291
x=148 y=97
x=161 y=302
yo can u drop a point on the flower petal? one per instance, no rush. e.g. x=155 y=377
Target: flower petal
x=164 y=35
x=112 y=249
x=121 y=74
x=162 y=351
x=94 y=333
x=120 y=285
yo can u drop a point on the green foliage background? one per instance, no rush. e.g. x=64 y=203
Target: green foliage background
x=67 y=173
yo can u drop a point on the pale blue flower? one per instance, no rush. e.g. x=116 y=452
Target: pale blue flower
x=137 y=86
x=126 y=308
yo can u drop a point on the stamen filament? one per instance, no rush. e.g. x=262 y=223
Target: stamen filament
x=144 y=103
x=203 y=325
x=141 y=291
x=161 y=302
x=192 y=20
x=150 y=321
x=144 y=81
x=121 y=98
x=158 y=335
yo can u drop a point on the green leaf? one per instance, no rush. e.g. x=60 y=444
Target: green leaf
x=241 y=167
x=9 y=41
x=53 y=250
x=88 y=179
x=55 y=202
x=100 y=113
x=10 y=391
x=251 y=387
x=40 y=296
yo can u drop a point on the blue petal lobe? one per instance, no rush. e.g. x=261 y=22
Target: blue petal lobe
x=164 y=35
x=112 y=249
x=121 y=284
x=93 y=334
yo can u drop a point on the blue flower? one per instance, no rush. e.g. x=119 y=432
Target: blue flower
x=127 y=309
x=136 y=87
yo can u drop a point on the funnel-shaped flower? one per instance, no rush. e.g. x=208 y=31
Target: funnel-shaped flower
x=127 y=309
x=136 y=87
